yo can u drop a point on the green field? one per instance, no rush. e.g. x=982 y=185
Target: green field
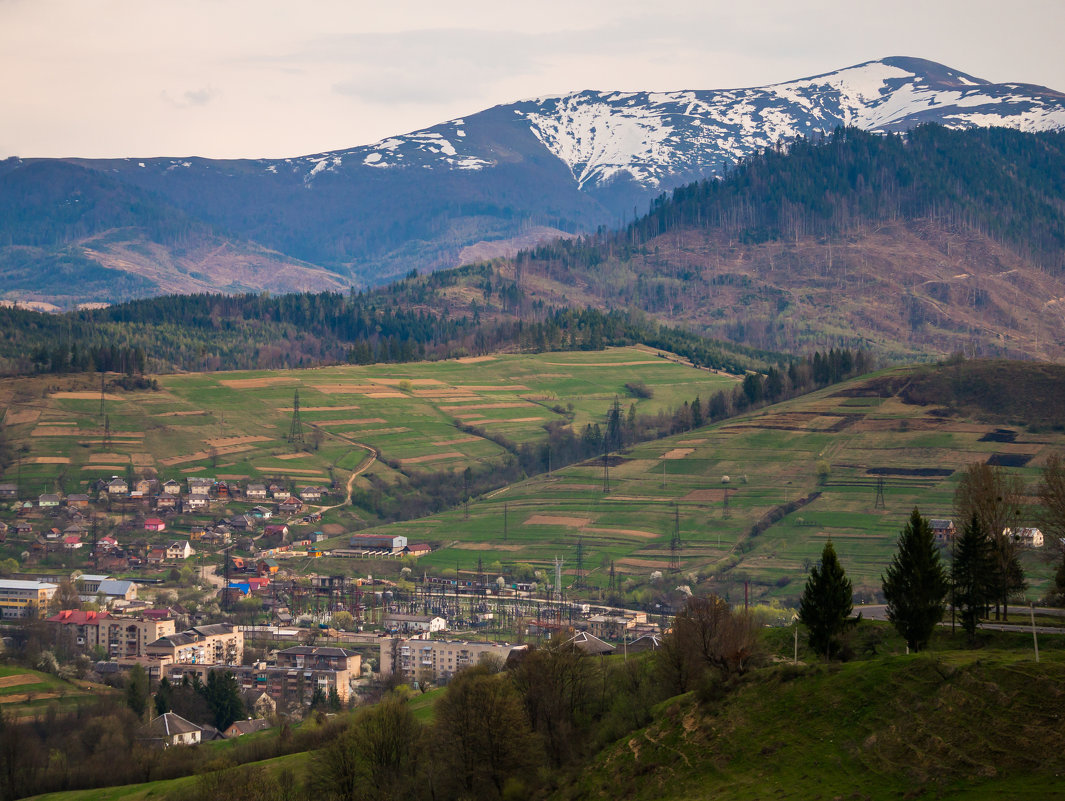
x=770 y=458
x=27 y=693
x=237 y=425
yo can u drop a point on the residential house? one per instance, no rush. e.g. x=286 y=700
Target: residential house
x=72 y=542
x=77 y=501
x=378 y=542
x=943 y=530
x=278 y=491
x=166 y=501
x=171 y=487
x=48 y=501
x=117 y=590
x=420 y=549
x=145 y=486
x=154 y=524
x=8 y=491
x=278 y=530
x=311 y=494
x=410 y=624
x=611 y=627
x=200 y=487
x=249 y=726
x=22 y=528
x=590 y=644
x=242 y=522
x=290 y=506
x=195 y=502
x=170 y=729
x=266 y=567
x=117 y=486
x=1026 y=537
x=156 y=556
x=179 y=549
x=255 y=492
x=261 y=513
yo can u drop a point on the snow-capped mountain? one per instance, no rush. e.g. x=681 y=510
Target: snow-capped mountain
x=651 y=137
x=565 y=163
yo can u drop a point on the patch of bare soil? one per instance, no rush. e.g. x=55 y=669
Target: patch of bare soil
x=556 y=520
x=630 y=562
x=678 y=453
x=255 y=383
x=492 y=387
x=86 y=396
x=501 y=405
x=357 y=421
x=514 y=420
x=624 y=532
x=19 y=679
x=433 y=457
x=13 y=418
x=49 y=460
x=225 y=442
x=458 y=441
x=299 y=455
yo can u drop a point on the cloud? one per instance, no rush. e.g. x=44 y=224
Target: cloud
x=189 y=99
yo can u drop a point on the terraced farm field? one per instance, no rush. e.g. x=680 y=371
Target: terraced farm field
x=236 y=425
x=779 y=510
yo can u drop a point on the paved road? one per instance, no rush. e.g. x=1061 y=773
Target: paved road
x=879 y=612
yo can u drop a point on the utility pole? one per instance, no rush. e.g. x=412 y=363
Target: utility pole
x=606 y=469
x=579 y=582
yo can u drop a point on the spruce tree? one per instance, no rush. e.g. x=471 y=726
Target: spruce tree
x=826 y=604
x=915 y=584
x=972 y=575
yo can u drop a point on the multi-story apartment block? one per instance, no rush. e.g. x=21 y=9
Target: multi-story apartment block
x=215 y=644
x=119 y=636
x=24 y=598
x=436 y=660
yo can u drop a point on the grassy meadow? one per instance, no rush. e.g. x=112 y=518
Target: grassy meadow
x=236 y=425
x=771 y=459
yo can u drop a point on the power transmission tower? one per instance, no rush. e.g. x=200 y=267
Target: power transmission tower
x=613 y=577
x=107 y=433
x=674 y=542
x=101 y=394
x=879 y=503
x=295 y=433
x=579 y=581
x=558 y=579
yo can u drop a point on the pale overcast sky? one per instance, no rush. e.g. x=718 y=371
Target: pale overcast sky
x=260 y=78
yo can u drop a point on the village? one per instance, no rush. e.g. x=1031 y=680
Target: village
x=143 y=577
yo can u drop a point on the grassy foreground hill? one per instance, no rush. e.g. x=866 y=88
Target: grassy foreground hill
x=947 y=726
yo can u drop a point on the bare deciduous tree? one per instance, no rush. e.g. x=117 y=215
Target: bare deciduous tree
x=995 y=499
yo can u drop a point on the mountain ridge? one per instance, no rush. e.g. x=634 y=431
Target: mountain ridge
x=570 y=163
